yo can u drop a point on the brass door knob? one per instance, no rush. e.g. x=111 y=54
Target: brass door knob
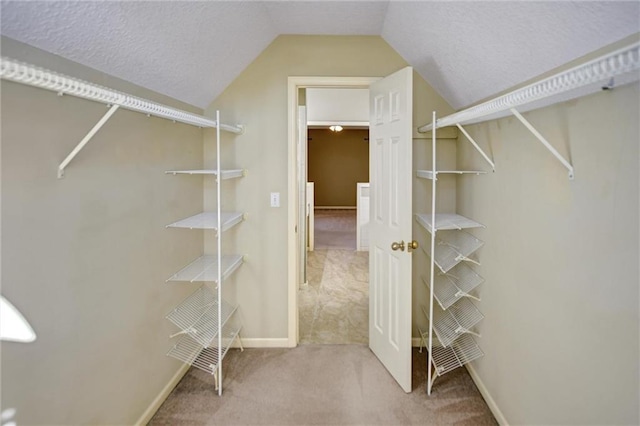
x=412 y=245
x=398 y=246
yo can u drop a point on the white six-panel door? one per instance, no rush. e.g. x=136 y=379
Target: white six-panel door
x=390 y=151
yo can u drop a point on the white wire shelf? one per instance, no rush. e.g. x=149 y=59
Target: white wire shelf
x=205 y=268
x=197 y=316
x=225 y=174
x=209 y=220
x=429 y=174
x=580 y=80
x=461 y=352
x=446 y=221
x=62 y=84
x=459 y=319
x=453 y=247
x=455 y=284
x=207 y=359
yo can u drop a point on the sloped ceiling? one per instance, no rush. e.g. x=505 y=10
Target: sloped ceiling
x=191 y=50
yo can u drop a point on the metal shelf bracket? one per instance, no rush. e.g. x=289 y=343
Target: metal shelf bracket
x=64 y=85
x=546 y=143
x=477 y=147
x=86 y=140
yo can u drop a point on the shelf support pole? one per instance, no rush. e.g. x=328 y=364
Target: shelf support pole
x=219 y=255
x=544 y=142
x=430 y=378
x=477 y=147
x=86 y=140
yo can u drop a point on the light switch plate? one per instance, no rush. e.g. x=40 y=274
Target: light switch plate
x=275 y=199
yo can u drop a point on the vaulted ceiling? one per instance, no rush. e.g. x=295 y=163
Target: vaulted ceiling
x=191 y=50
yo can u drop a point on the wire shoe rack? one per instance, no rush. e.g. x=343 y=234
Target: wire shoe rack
x=197 y=316
x=208 y=358
x=205 y=268
x=453 y=247
x=445 y=359
x=459 y=319
x=451 y=321
x=459 y=282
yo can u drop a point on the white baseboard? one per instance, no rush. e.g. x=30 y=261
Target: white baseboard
x=164 y=393
x=252 y=342
x=495 y=410
x=335 y=207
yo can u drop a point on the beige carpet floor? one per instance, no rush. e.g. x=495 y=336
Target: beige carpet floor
x=329 y=384
x=320 y=385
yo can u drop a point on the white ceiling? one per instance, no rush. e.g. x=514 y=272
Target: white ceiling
x=347 y=107
x=192 y=50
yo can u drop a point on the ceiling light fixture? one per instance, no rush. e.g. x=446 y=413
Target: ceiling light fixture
x=335 y=128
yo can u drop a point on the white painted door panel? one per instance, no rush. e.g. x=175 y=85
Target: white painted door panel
x=391 y=101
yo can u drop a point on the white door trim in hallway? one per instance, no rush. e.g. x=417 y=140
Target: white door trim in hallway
x=294 y=84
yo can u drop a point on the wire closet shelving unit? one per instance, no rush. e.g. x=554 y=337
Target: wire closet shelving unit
x=451 y=314
x=451 y=280
x=206 y=322
x=31 y=75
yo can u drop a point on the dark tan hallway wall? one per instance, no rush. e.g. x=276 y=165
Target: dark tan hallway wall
x=337 y=162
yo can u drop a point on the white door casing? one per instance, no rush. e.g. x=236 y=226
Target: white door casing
x=390 y=152
x=293 y=259
x=302 y=195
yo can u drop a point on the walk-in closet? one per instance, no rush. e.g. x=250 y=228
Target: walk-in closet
x=157 y=264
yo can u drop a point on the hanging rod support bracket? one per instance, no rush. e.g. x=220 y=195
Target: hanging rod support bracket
x=86 y=140
x=544 y=142
x=477 y=147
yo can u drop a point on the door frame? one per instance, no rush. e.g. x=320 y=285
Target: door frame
x=294 y=84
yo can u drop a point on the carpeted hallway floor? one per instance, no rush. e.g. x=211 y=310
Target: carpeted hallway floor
x=335 y=229
x=334 y=306
x=321 y=385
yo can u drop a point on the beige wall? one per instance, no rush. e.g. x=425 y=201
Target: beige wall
x=85 y=258
x=258 y=98
x=560 y=261
x=337 y=162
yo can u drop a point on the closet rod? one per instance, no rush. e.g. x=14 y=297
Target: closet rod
x=38 y=77
x=600 y=70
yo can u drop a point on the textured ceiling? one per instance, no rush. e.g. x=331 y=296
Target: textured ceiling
x=191 y=50
x=469 y=51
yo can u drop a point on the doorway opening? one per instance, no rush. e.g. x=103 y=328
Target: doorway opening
x=390 y=271
x=297 y=237
x=333 y=306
